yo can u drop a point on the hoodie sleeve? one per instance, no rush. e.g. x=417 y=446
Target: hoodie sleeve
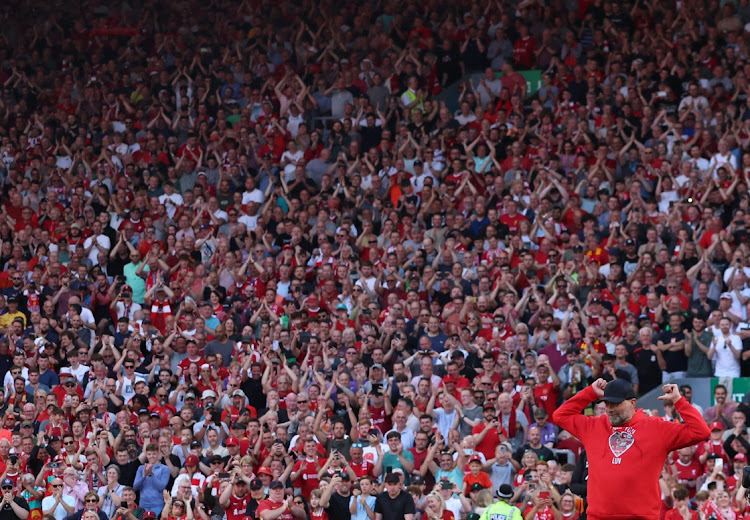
x=693 y=430
x=568 y=416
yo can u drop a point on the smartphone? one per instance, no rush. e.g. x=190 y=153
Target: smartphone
x=226 y=475
x=544 y=495
x=388 y=469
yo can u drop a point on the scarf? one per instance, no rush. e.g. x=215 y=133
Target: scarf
x=512 y=423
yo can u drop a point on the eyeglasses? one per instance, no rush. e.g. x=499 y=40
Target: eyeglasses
x=128 y=367
x=89 y=501
x=177 y=504
x=56 y=485
x=69 y=443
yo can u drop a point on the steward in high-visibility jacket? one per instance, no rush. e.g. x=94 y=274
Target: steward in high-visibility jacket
x=501 y=510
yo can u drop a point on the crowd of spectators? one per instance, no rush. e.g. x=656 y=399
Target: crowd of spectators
x=255 y=266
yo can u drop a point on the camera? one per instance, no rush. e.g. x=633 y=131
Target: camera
x=54 y=465
x=13 y=459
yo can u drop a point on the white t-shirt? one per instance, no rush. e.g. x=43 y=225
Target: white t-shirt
x=726 y=364
x=104 y=244
x=59 y=513
x=444 y=421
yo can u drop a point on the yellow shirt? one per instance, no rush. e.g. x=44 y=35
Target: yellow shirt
x=7 y=318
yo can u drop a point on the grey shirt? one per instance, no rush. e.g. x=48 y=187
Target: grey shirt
x=473 y=414
x=339 y=100
x=225 y=349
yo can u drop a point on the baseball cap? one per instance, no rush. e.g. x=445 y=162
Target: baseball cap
x=155 y=414
x=340 y=307
x=505 y=491
x=345 y=476
x=476 y=486
x=740 y=456
x=189 y=395
x=208 y=393
x=475 y=458
x=266 y=470
x=391 y=478
x=714 y=456
x=192 y=460
x=276 y=484
x=417 y=480
x=233 y=441
x=256 y=483
x=377 y=365
x=195 y=444
x=618 y=391
x=726 y=296
x=216 y=460
x=144 y=411
x=630 y=242
x=716 y=425
x=238 y=393
x=450 y=379
x=6 y=482
x=149 y=514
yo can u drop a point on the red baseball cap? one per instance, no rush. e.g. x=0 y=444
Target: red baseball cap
x=233 y=441
x=265 y=471
x=475 y=458
x=192 y=460
x=741 y=456
x=450 y=379
x=716 y=425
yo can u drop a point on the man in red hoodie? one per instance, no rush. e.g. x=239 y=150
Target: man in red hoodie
x=626 y=449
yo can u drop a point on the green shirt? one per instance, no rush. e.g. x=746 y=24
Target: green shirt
x=698 y=363
x=392 y=460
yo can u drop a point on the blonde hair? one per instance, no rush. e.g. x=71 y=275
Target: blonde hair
x=484 y=498
x=436 y=495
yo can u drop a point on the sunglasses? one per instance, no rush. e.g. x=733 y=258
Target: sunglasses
x=56 y=485
x=7 y=487
x=89 y=501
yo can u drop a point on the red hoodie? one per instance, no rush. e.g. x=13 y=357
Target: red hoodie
x=625 y=462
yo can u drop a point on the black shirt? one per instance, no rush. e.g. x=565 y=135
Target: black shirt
x=252 y=507
x=7 y=513
x=676 y=361
x=394 y=508
x=127 y=472
x=338 y=506
x=649 y=373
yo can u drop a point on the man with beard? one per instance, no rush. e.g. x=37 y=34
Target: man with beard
x=627 y=448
